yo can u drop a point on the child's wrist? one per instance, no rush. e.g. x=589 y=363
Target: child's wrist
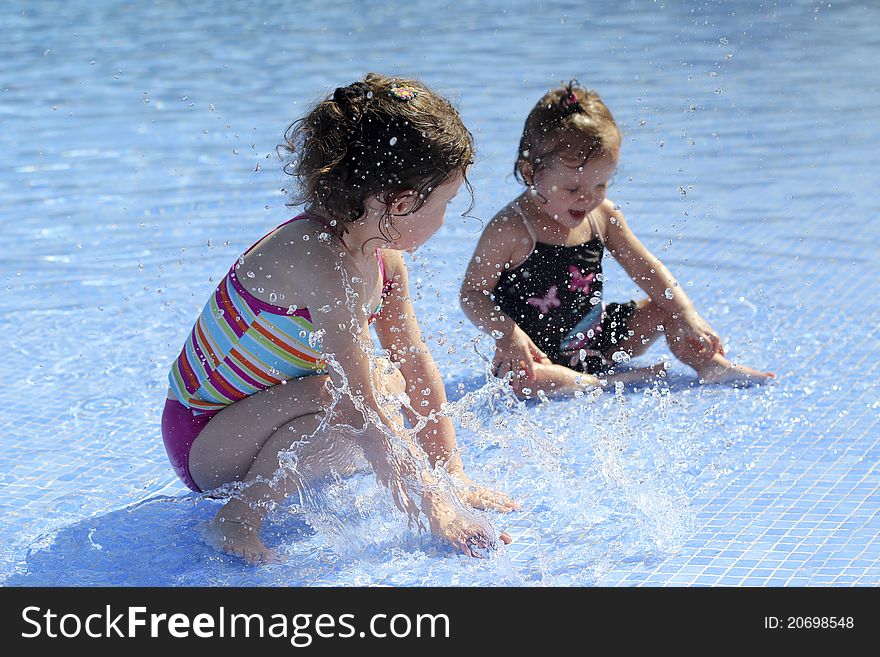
x=686 y=312
x=503 y=332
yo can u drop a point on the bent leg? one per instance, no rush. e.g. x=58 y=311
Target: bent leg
x=225 y=449
x=645 y=325
x=274 y=455
x=560 y=381
x=293 y=458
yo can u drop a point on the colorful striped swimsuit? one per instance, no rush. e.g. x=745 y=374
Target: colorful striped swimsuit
x=239 y=345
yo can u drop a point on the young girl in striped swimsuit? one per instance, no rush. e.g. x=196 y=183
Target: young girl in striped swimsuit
x=249 y=401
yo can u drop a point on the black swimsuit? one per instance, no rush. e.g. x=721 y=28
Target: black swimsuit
x=555 y=296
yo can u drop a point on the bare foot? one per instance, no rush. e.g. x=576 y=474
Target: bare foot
x=238 y=539
x=721 y=370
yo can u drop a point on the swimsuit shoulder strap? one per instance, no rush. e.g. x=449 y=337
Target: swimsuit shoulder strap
x=302 y=215
x=385 y=281
x=526 y=223
x=595 y=228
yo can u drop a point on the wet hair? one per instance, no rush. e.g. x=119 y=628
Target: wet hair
x=568 y=119
x=378 y=137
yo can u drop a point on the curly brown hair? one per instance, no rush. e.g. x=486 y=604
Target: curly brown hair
x=378 y=136
x=569 y=118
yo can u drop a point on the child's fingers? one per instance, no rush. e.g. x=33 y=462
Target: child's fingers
x=486 y=499
x=701 y=344
x=528 y=365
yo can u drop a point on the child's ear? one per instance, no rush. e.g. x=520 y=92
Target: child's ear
x=527 y=171
x=404 y=202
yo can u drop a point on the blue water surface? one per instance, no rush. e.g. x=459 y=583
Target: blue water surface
x=137 y=160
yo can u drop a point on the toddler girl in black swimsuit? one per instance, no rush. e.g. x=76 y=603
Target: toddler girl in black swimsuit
x=535 y=280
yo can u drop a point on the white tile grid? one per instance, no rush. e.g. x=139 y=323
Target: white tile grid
x=775 y=561
x=786 y=571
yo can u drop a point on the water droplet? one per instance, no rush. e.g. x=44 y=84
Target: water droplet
x=305 y=238
x=668 y=293
x=620 y=357
x=251 y=274
x=392 y=141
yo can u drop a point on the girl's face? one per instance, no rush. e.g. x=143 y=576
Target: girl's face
x=568 y=190
x=416 y=228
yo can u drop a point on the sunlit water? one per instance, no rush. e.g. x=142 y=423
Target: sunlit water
x=137 y=161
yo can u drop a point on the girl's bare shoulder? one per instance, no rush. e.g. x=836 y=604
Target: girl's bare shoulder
x=508 y=234
x=608 y=216
x=294 y=260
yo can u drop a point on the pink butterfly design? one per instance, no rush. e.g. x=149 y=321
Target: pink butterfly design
x=579 y=281
x=547 y=302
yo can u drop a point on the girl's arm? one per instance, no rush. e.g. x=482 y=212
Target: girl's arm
x=493 y=255
x=643 y=266
x=398 y=331
x=504 y=244
x=339 y=317
x=655 y=279
x=345 y=334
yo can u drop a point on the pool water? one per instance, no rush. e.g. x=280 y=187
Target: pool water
x=137 y=161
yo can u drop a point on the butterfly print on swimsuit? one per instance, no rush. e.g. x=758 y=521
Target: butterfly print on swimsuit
x=579 y=281
x=545 y=303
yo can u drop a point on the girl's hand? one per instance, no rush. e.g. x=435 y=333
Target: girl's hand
x=515 y=353
x=465 y=535
x=700 y=335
